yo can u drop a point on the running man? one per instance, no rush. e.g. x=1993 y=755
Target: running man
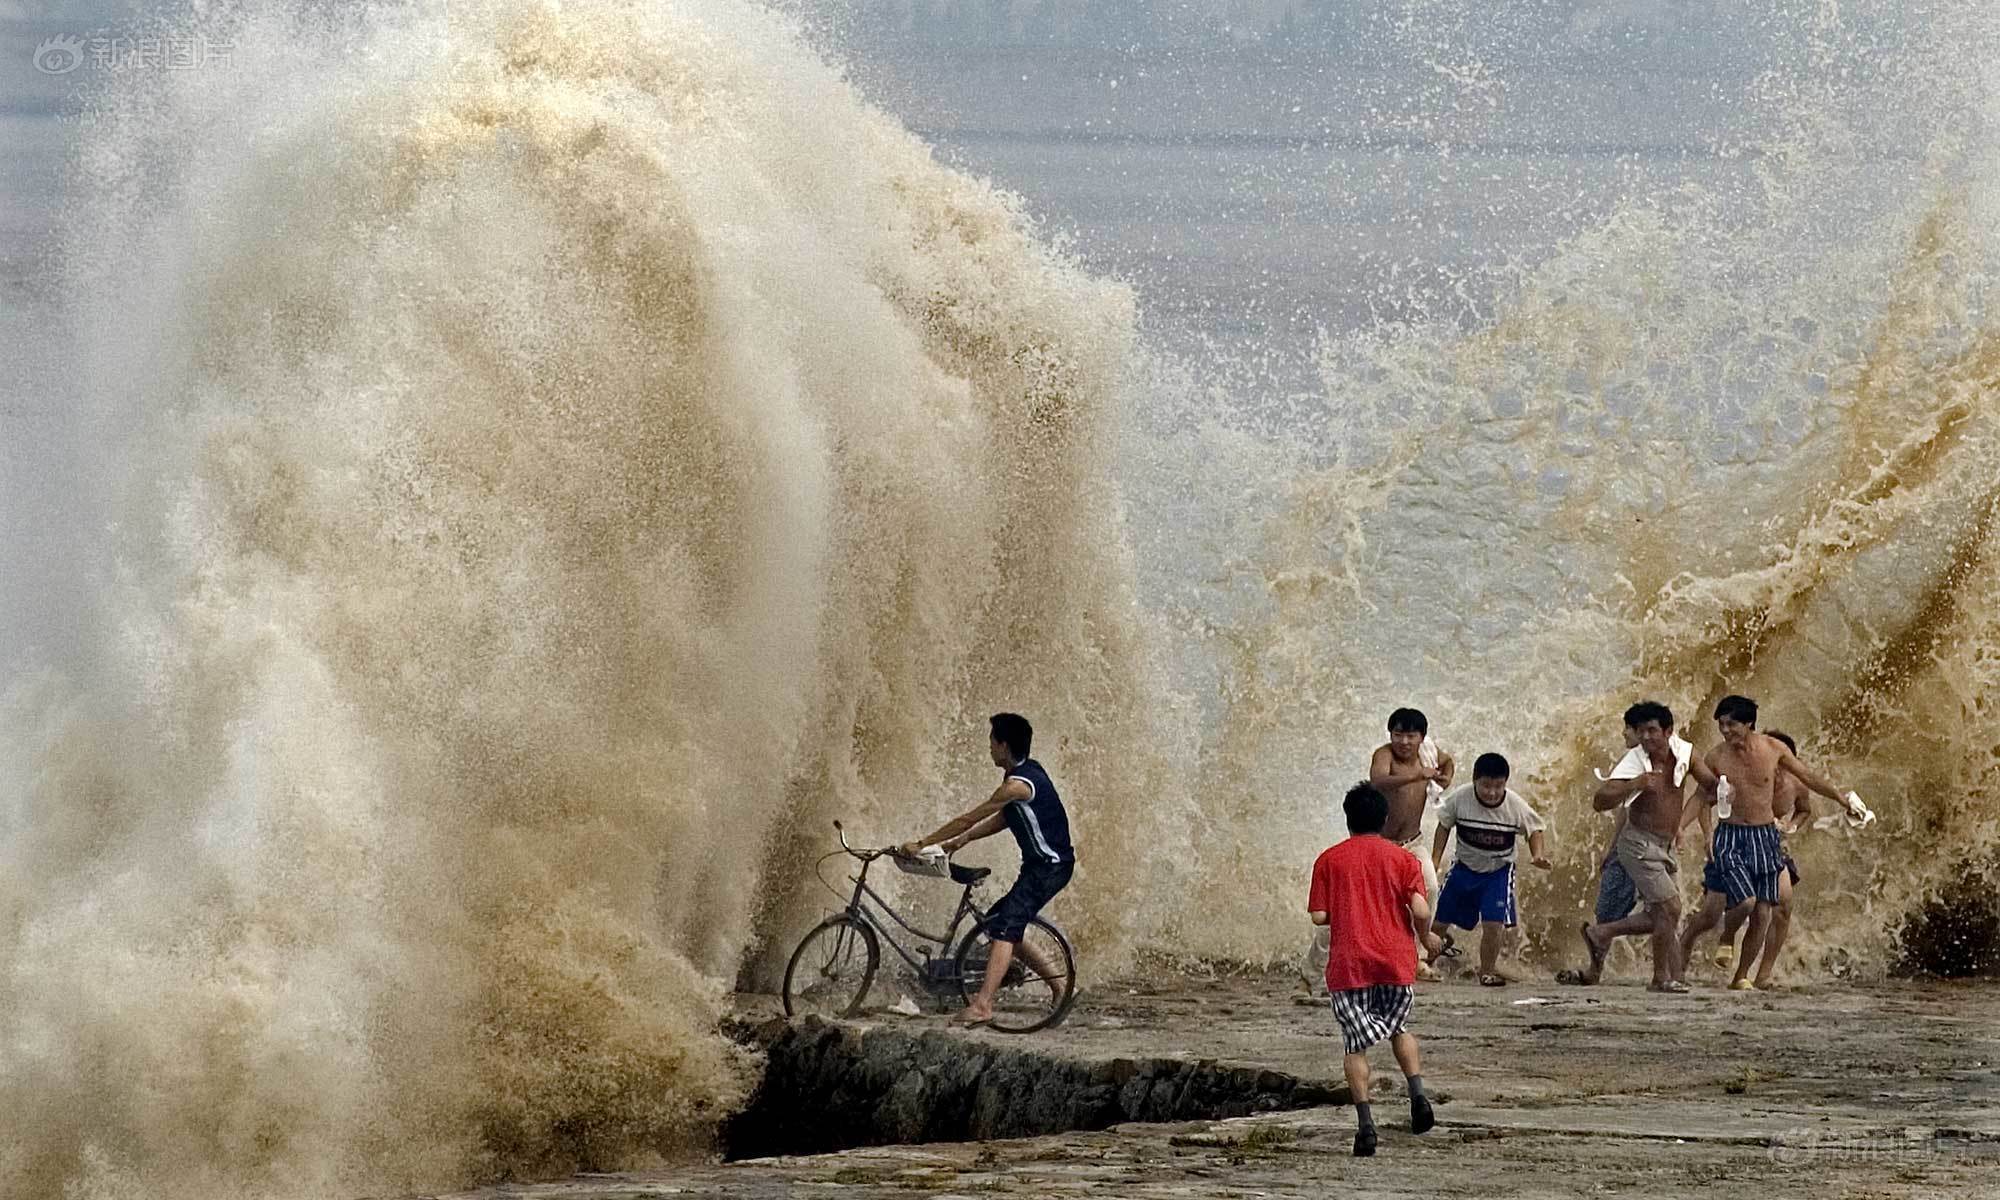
x=1026 y=804
x=1747 y=859
x=1651 y=783
x=1412 y=772
x=1791 y=805
x=1370 y=896
x=1616 y=897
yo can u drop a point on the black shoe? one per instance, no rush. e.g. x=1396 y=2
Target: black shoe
x=1364 y=1142
x=1421 y=1116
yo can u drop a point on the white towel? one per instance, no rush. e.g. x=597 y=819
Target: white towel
x=1637 y=762
x=1427 y=755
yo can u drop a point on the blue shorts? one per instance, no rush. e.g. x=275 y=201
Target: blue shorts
x=1035 y=886
x=1470 y=897
x=1746 y=862
x=1616 y=897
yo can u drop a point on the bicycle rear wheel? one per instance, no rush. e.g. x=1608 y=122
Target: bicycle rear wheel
x=1040 y=984
x=832 y=969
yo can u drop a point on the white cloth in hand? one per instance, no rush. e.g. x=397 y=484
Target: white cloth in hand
x=1427 y=756
x=1857 y=816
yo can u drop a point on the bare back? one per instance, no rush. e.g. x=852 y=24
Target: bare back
x=1788 y=801
x=1752 y=770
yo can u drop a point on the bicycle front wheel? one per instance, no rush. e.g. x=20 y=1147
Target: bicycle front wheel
x=1040 y=984
x=832 y=969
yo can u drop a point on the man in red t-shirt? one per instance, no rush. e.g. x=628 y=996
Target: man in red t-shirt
x=1369 y=893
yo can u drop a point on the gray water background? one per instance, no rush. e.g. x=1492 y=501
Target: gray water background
x=1262 y=188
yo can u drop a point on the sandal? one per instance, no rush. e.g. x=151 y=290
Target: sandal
x=1450 y=949
x=1492 y=981
x=1673 y=987
x=1572 y=977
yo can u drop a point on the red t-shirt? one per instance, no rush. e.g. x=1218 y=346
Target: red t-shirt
x=1364 y=885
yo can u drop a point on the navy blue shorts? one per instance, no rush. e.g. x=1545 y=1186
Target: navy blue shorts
x=1034 y=887
x=1616 y=897
x=1470 y=897
x=1746 y=862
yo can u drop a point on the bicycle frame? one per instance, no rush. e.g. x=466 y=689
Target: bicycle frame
x=862 y=912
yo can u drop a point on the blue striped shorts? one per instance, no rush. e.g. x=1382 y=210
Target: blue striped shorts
x=1746 y=862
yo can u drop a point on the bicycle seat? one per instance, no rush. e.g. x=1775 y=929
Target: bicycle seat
x=969 y=875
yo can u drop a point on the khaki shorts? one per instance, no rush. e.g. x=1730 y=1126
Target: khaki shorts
x=1649 y=860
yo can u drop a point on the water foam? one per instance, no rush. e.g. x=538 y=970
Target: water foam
x=572 y=453
x=1717 y=443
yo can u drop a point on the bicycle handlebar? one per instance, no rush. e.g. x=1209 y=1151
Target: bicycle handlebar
x=865 y=855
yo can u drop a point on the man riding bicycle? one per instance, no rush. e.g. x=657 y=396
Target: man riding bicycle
x=1026 y=803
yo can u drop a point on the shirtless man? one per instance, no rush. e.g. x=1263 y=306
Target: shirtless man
x=1652 y=782
x=1400 y=771
x=1791 y=804
x=1747 y=859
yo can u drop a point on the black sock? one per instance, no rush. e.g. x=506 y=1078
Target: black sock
x=1365 y=1114
x=1416 y=1083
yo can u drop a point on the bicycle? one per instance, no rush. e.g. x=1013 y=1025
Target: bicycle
x=835 y=964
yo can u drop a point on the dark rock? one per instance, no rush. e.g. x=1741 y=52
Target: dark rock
x=829 y=1087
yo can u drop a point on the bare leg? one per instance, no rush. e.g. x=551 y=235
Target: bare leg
x=1431 y=938
x=1355 y=1067
x=1489 y=950
x=1705 y=918
x=1732 y=922
x=1725 y=947
x=1597 y=939
x=1781 y=927
x=1666 y=920
x=1045 y=971
x=999 y=956
x=1405 y=1047
x=1753 y=939
x=1639 y=922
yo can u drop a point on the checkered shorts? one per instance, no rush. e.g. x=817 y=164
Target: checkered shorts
x=1367 y=1015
